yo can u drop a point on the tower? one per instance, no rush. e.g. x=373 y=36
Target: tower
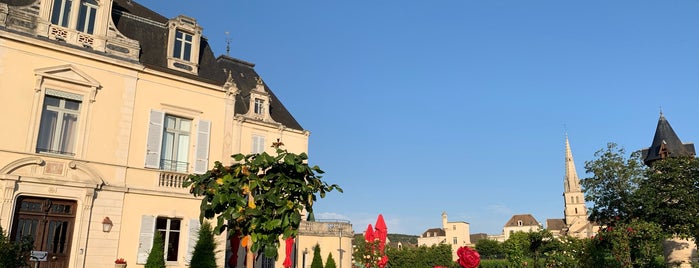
x=575 y=210
x=665 y=144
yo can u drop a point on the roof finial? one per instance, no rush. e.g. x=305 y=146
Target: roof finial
x=228 y=44
x=661 y=112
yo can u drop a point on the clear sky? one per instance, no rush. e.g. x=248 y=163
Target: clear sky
x=419 y=107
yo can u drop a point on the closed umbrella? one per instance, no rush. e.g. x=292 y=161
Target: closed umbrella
x=289 y=248
x=381 y=233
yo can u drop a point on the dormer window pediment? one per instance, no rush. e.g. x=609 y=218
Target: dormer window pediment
x=259 y=102
x=183 y=45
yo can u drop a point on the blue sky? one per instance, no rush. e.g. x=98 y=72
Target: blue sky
x=420 y=107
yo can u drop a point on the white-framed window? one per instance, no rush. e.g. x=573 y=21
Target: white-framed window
x=259 y=106
x=169 y=229
x=87 y=15
x=60 y=14
x=169 y=142
x=59 y=123
x=176 y=136
x=179 y=239
x=454 y=241
x=258 y=144
x=183 y=45
x=519 y=223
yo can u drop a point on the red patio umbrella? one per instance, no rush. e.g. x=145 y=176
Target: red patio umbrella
x=381 y=233
x=289 y=248
x=369 y=238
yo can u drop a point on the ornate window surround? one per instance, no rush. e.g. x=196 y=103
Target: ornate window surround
x=187 y=25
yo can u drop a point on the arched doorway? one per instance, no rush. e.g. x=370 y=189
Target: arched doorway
x=50 y=223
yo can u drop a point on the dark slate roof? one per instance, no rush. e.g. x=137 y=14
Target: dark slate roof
x=244 y=76
x=18 y=2
x=527 y=220
x=479 y=236
x=149 y=29
x=555 y=224
x=666 y=138
x=432 y=231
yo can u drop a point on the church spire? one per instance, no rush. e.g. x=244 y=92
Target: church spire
x=665 y=143
x=572 y=183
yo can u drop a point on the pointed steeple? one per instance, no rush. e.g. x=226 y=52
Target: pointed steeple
x=572 y=183
x=666 y=143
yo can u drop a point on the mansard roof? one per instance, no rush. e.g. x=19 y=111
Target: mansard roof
x=150 y=29
x=527 y=220
x=555 y=224
x=434 y=232
x=666 y=143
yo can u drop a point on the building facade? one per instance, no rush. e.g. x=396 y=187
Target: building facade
x=455 y=233
x=111 y=106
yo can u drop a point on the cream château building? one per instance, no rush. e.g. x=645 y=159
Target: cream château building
x=108 y=106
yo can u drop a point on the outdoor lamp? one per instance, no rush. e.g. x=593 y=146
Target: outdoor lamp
x=107 y=225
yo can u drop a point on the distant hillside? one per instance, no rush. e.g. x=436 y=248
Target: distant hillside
x=394 y=238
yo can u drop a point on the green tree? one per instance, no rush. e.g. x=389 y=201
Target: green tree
x=516 y=248
x=204 y=254
x=490 y=249
x=317 y=260
x=422 y=256
x=14 y=253
x=670 y=196
x=330 y=262
x=156 y=256
x=260 y=196
x=614 y=180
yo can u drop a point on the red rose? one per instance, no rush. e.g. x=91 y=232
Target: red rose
x=468 y=257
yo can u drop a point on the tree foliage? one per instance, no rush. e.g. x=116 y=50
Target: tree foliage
x=14 y=253
x=260 y=196
x=317 y=261
x=670 y=195
x=330 y=262
x=490 y=249
x=516 y=248
x=614 y=180
x=204 y=254
x=422 y=256
x=156 y=256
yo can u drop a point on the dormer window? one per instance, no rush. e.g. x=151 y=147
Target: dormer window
x=183 y=44
x=259 y=106
x=60 y=13
x=86 y=16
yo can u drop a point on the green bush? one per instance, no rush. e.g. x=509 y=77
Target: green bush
x=494 y=263
x=156 y=257
x=317 y=260
x=14 y=254
x=330 y=262
x=204 y=255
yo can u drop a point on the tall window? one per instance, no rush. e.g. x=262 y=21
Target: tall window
x=60 y=14
x=259 y=106
x=176 y=132
x=258 y=144
x=169 y=230
x=454 y=241
x=183 y=46
x=86 y=16
x=58 y=130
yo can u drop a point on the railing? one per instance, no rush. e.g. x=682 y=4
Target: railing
x=326 y=228
x=172 y=165
x=172 y=180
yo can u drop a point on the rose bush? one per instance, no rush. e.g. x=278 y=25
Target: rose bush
x=468 y=257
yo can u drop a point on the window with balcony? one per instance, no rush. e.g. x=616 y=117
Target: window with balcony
x=86 y=16
x=58 y=125
x=169 y=142
x=60 y=14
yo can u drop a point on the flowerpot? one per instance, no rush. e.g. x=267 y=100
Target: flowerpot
x=120 y=265
x=679 y=252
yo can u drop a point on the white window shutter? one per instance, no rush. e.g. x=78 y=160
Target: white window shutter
x=202 y=153
x=155 y=139
x=192 y=239
x=145 y=239
x=258 y=144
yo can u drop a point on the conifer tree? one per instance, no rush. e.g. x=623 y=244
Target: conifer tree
x=204 y=255
x=330 y=262
x=156 y=257
x=317 y=260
